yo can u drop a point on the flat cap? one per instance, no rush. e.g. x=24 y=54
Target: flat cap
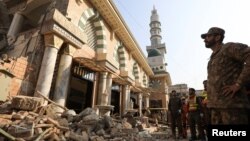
x=213 y=30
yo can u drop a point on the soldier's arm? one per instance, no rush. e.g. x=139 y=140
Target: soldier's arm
x=241 y=53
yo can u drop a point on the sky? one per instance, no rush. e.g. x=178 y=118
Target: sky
x=182 y=23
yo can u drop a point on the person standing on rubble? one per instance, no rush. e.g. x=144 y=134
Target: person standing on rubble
x=194 y=115
x=174 y=107
x=228 y=72
x=184 y=111
x=206 y=113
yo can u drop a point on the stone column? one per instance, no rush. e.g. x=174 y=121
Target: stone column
x=125 y=98
x=95 y=90
x=62 y=80
x=121 y=99
x=102 y=95
x=15 y=27
x=147 y=102
x=140 y=103
x=109 y=87
x=53 y=44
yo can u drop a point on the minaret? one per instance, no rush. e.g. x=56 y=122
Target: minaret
x=157 y=50
x=156 y=59
x=155 y=30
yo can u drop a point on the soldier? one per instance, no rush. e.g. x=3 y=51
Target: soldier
x=174 y=107
x=248 y=96
x=228 y=71
x=206 y=118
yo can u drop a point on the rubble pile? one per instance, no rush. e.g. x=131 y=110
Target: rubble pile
x=24 y=118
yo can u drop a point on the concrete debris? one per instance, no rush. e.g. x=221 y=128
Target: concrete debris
x=25 y=118
x=26 y=103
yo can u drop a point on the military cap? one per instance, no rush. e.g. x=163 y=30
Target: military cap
x=213 y=30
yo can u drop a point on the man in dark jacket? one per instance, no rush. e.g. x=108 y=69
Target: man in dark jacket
x=174 y=107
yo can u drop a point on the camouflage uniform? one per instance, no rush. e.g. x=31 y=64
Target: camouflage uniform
x=206 y=111
x=248 y=96
x=227 y=66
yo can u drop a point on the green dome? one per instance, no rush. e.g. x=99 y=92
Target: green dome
x=154 y=52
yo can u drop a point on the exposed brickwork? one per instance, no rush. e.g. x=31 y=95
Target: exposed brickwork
x=25 y=69
x=15 y=87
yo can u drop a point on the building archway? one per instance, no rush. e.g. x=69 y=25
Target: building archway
x=122 y=58
x=80 y=88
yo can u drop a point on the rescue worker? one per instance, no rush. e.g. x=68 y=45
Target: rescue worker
x=194 y=115
x=174 y=108
x=184 y=111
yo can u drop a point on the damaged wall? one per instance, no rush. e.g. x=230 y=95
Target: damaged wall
x=23 y=62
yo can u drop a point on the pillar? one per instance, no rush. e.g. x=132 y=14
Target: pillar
x=140 y=103
x=109 y=87
x=62 y=79
x=53 y=44
x=147 y=101
x=15 y=27
x=121 y=99
x=125 y=98
x=105 y=83
x=102 y=92
x=95 y=89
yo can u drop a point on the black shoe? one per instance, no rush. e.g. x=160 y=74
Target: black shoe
x=173 y=136
x=202 y=138
x=179 y=137
x=192 y=138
